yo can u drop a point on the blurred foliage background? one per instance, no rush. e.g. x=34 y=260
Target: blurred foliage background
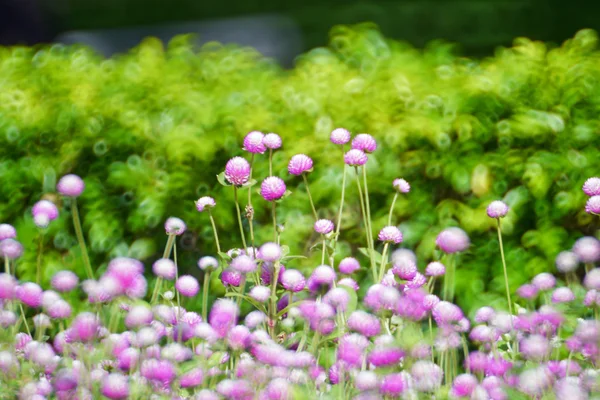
x=150 y=130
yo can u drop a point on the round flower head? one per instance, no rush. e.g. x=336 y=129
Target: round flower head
x=231 y=277
x=174 y=226
x=562 y=295
x=205 y=203
x=527 y=291
x=587 y=249
x=544 y=281
x=187 y=285
x=567 y=261
x=349 y=282
x=593 y=205
x=64 y=281
x=70 y=185
x=348 y=265
x=401 y=185
x=591 y=187
x=272 y=141
x=138 y=316
x=237 y=171
x=208 y=263
x=8 y=284
x=446 y=313
x=300 y=164
x=30 y=294
x=393 y=385
x=427 y=376
x=390 y=234
x=484 y=314
x=452 y=240
x=497 y=209
x=59 y=310
x=464 y=385
x=164 y=268
x=592 y=279
x=223 y=316
x=243 y=264
x=435 y=268
x=355 y=158
x=7 y=232
x=324 y=226
x=43 y=212
x=293 y=280
x=339 y=136
x=321 y=276
x=270 y=252
x=364 y=323
x=272 y=188
x=364 y=142
x=11 y=249
x=260 y=293
x=253 y=142
x=337 y=298
x=84 y=327
x=115 y=386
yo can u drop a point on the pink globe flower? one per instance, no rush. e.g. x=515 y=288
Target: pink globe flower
x=115 y=386
x=272 y=141
x=293 y=280
x=208 y=263
x=7 y=232
x=164 y=268
x=300 y=164
x=390 y=234
x=30 y=294
x=340 y=136
x=64 y=281
x=205 y=203
x=364 y=142
x=187 y=285
x=591 y=187
x=175 y=226
x=324 y=226
x=43 y=212
x=70 y=185
x=452 y=240
x=223 y=316
x=237 y=171
x=348 y=265
x=593 y=205
x=253 y=142
x=587 y=249
x=401 y=185
x=11 y=249
x=497 y=209
x=270 y=252
x=272 y=188
x=435 y=268
x=84 y=327
x=243 y=264
x=355 y=158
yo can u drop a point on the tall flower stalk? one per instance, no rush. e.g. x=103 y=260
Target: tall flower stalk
x=497 y=210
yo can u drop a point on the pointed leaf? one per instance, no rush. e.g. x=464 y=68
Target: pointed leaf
x=222 y=180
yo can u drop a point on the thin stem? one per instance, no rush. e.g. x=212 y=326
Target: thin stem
x=431 y=338
x=449 y=279
x=166 y=254
x=242 y=290
x=38 y=270
x=273 y=298
x=24 y=318
x=176 y=279
x=157 y=287
x=339 y=219
x=312 y=204
x=323 y=252
x=383 y=261
x=270 y=162
x=362 y=208
x=392 y=208
x=504 y=267
x=214 y=226
x=239 y=216
x=7 y=265
x=205 y=286
x=466 y=354
x=274 y=214
x=251 y=209
x=80 y=238
x=364 y=168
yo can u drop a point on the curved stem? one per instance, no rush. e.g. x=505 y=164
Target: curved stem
x=205 y=287
x=250 y=214
x=504 y=267
x=273 y=300
x=274 y=215
x=38 y=270
x=449 y=279
x=364 y=168
x=383 y=261
x=362 y=208
x=239 y=216
x=312 y=204
x=80 y=238
x=392 y=208
x=166 y=254
x=24 y=318
x=214 y=226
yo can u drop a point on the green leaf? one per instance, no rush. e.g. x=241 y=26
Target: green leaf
x=286 y=194
x=371 y=254
x=224 y=256
x=222 y=180
x=250 y=183
x=285 y=250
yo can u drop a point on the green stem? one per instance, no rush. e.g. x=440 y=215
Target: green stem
x=80 y=238
x=449 y=279
x=504 y=267
x=273 y=300
x=214 y=226
x=251 y=212
x=431 y=338
x=270 y=162
x=242 y=290
x=392 y=208
x=205 y=286
x=166 y=254
x=312 y=204
x=176 y=279
x=7 y=265
x=38 y=270
x=466 y=353
x=323 y=252
x=24 y=319
x=383 y=261
x=274 y=215
x=367 y=203
x=339 y=219
x=156 y=290
x=239 y=216
x=364 y=213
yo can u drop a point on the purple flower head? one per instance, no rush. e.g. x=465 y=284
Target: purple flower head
x=160 y=371
x=84 y=328
x=243 y=264
x=272 y=141
x=277 y=389
x=238 y=389
x=208 y=263
x=339 y=136
x=364 y=323
x=587 y=249
x=30 y=294
x=430 y=301
x=43 y=212
x=253 y=142
x=270 y=252
x=390 y=234
x=567 y=261
x=406 y=270
x=237 y=171
x=260 y=293
x=384 y=356
x=427 y=376
x=592 y=279
x=337 y=298
x=535 y=381
x=497 y=209
x=366 y=380
x=527 y=291
x=64 y=281
x=418 y=281
x=591 y=187
x=272 y=188
x=435 y=268
x=7 y=318
x=164 y=268
x=484 y=314
x=70 y=185
x=59 y=310
x=400 y=256
x=238 y=338
x=351 y=349
x=592 y=206
x=401 y=185
x=205 y=203
x=393 y=385
x=355 y=158
x=293 y=280
x=534 y=347
x=254 y=319
x=138 y=316
x=364 y=142
x=322 y=276
x=464 y=385
x=115 y=386
x=349 y=282
x=192 y=378
x=231 y=277
x=223 y=316
x=562 y=295
x=349 y=265
x=544 y=281
x=7 y=232
x=324 y=226
x=484 y=334
x=300 y=164
x=124 y=276
x=445 y=313
x=174 y=226
x=8 y=285
x=187 y=286
x=452 y=240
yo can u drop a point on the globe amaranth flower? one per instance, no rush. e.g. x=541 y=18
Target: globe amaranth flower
x=43 y=212
x=393 y=385
x=30 y=294
x=175 y=226
x=272 y=141
x=364 y=142
x=452 y=240
x=349 y=265
x=270 y=252
x=205 y=203
x=243 y=264
x=497 y=209
x=70 y=185
x=566 y=261
x=208 y=263
x=427 y=376
x=591 y=187
x=64 y=281
x=544 y=281
x=293 y=280
x=11 y=249
x=7 y=232
x=401 y=185
x=587 y=249
x=593 y=205
x=390 y=234
x=300 y=164
x=164 y=268
x=324 y=226
x=339 y=136
x=272 y=188
x=562 y=295
x=253 y=142
x=355 y=158
x=592 y=279
x=435 y=268
x=322 y=276
x=237 y=171
x=187 y=285
x=223 y=316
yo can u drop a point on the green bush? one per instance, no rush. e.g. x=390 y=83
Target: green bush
x=149 y=132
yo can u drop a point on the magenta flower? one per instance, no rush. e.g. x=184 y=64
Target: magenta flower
x=8 y=285
x=270 y=252
x=566 y=261
x=497 y=209
x=223 y=316
x=464 y=385
x=272 y=188
x=237 y=171
x=175 y=226
x=527 y=291
x=393 y=385
x=70 y=185
x=405 y=270
x=272 y=141
x=84 y=328
x=322 y=276
x=64 y=281
x=401 y=185
x=11 y=249
x=452 y=240
x=138 y=316
x=593 y=205
x=164 y=268
x=587 y=249
x=364 y=142
x=192 y=378
x=187 y=286
x=208 y=263
x=364 y=323
x=340 y=136
x=592 y=279
x=7 y=232
x=323 y=226
x=238 y=337
x=231 y=277
x=243 y=264
x=544 y=281
x=260 y=293
x=435 y=268
x=427 y=376
x=300 y=164
x=355 y=158
x=562 y=295
x=253 y=142
x=115 y=386
x=349 y=265
x=591 y=187
x=390 y=234
x=30 y=294
x=293 y=280
x=43 y=212
x=205 y=203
